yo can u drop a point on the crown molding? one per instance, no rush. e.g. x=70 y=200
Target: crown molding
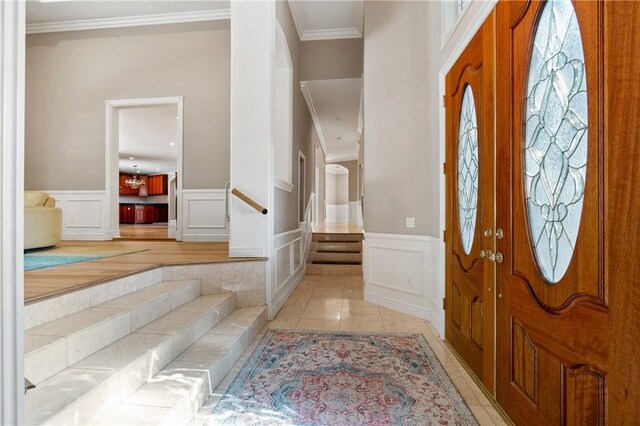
x=331 y=34
x=304 y=34
x=130 y=21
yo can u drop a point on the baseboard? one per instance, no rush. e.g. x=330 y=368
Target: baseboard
x=86 y=237
x=290 y=287
x=416 y=311
x=246 y=252
x=205 y=238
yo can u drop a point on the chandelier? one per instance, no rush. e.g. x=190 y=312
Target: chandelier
x=135 y=181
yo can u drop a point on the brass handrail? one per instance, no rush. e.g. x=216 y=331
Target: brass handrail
x=249 y=201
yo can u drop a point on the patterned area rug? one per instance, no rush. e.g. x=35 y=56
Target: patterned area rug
x=57 y=256
x=318 y=378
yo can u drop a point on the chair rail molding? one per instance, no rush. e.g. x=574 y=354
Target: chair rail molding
x=12 y=74
x=400 y=272
x=130 y=21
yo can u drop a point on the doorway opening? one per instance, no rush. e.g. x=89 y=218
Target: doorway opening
x=144 y=139
x=337 y=194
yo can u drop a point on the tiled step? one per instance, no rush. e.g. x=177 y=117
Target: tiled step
x=52 y=347
x=175 y=394
x=329 y=257
x=328 y=237
x=89 y=389
x=342 y=247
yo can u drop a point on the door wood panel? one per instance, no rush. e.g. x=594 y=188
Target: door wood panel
x=469 y=279
x=622 y=219
x=552 y=339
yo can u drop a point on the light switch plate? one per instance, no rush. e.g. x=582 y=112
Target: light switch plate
x=410 y=222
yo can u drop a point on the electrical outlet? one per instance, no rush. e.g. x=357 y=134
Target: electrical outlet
x=410 y=222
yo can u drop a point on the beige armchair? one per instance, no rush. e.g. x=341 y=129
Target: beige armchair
x=42 y=220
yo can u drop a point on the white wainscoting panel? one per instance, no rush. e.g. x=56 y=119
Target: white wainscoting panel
x=337 y=213
x=203 y=215
x=289 y=267
x=401 y=273
x=85 y=214
x=355 y=213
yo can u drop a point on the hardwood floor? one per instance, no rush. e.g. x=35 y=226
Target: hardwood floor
x=45 y=283
x=152 y=232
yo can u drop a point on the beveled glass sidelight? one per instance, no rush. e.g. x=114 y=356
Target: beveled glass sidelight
x=467 y=169
x=555 y=138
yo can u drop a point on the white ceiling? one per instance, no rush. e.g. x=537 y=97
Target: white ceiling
x=335 y=107
x=336 y=169
x=66 y=15
x=325 y=19
x=146 y=134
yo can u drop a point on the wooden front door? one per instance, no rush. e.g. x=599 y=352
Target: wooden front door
x=552 y=310
x=469 y=167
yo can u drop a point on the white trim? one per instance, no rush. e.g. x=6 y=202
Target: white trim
x=327 y=34
x=112 y=155
x=331 y=34
x=281 y=184
x=12 y=75
x=400 y=272
x=302 y=189
x=403 y=237
x=85 y=214
x=208 y=222
x=284 y=281
x=130 y=21
x=284 y=151
x=417 y=311
x=246 y=252
x=304 y=87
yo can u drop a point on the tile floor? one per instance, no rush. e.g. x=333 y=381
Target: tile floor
x=335 y=303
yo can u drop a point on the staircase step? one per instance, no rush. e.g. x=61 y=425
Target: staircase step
x=329 y=257
x=175 y=394
x=152 y=302
x=329 y=237
x=342 y=247
x=86 y=391
x=52 y=347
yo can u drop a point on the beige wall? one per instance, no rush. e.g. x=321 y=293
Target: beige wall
x=286 y=203
x=330 y=59
x=69 y=75
x=401 y=165
x=342 y=188
x=352 y=167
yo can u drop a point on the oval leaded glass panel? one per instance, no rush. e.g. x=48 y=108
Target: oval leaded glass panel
x=467 y=169
x=555 y=138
